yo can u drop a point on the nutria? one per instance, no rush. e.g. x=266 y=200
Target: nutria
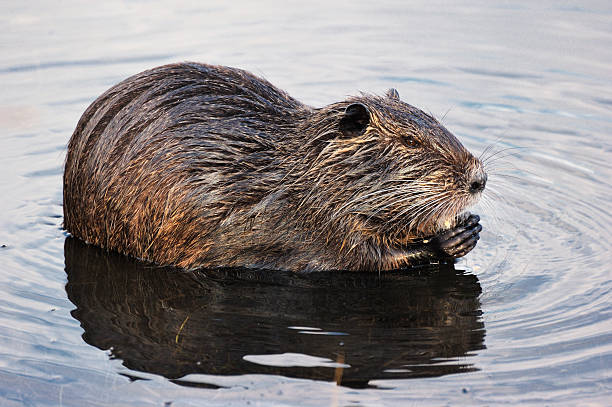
x=196 y=165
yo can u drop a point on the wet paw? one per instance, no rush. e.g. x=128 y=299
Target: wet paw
x=461 y=240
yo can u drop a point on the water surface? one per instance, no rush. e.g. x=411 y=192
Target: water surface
x=522 y=320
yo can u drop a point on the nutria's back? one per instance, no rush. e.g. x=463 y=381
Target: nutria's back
x=203 y=166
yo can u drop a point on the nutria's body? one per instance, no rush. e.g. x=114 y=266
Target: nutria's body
x=203 y=166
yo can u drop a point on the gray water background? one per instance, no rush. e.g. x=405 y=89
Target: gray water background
x=509 y=74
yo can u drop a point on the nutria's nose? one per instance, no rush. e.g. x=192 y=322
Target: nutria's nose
x=478 y=183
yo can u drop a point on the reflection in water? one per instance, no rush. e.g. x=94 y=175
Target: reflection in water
x=347 y=327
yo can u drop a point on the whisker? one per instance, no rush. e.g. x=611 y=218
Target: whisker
x=486 y=159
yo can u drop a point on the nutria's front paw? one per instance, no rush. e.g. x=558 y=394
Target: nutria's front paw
x=459 y=241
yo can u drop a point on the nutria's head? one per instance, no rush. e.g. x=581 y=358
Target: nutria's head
x=387 y=170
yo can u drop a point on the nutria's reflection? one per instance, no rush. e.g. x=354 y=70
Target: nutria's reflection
x=230 y=322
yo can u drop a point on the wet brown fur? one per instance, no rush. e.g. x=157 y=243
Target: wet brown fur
x=202 y=166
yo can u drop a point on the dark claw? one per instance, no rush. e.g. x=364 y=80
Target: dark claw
x=461 y=240
x=464 y=234
x=465 y=247
x=470 y=222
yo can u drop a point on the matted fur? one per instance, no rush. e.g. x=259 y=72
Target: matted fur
x=203 y=166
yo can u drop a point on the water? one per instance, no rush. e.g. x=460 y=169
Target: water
x=522 y=320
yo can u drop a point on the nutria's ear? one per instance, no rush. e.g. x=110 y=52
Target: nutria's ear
x=356 y=118
x=393 y=94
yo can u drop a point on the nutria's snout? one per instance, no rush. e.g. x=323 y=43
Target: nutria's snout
x=478 y=182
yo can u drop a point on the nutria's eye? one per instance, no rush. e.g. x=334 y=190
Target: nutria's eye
x=356 y=119
x=408 y=141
